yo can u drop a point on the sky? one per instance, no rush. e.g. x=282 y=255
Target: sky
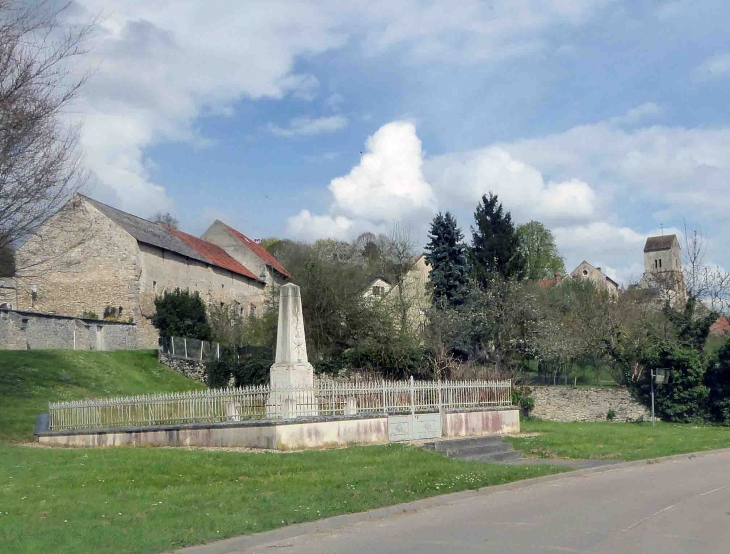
x=607 y=121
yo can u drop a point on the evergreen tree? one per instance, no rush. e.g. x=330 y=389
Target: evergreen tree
x=180 y=313
x=495 y=251
x=447 y=256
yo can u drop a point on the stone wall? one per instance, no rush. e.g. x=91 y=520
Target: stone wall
x=80 y=261
x=36 y=331
x=191 y=369
x=585 y=404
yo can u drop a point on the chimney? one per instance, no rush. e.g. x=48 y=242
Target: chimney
x=598 y=268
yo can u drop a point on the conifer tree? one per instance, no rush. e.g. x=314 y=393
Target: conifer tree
x=447 y=256
x=495 y=249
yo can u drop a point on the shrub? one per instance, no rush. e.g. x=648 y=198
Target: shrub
x=522 y=399
x=611 y=414
x=718 y=380
x=88 y=314
x=390 y=363
x=218 y=372
x=249 y=366
x=181 y=313
x=684 y=398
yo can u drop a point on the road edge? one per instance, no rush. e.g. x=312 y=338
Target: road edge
x=242 y=542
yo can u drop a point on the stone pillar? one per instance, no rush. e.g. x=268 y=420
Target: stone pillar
x=291 y=369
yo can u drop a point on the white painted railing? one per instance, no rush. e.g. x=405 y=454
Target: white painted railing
x=326 y=398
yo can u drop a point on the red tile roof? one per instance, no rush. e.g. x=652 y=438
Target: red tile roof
x=721 y=327
x=259 y=250
x=214 y=254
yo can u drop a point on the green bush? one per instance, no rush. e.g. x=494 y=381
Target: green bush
x=522 y=399
x=88 y=314
x=248 y=366
x=611 y=414
x=685 y=397
x=181 y=313
x=218 y=372
x=390 y=363
x=718 y=380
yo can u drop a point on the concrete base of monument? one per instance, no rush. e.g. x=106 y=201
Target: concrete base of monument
x=292 y=434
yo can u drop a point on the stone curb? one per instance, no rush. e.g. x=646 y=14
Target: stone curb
x=240 y=544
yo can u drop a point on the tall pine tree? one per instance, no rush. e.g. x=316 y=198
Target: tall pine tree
x=495 y=251
x=447 y=256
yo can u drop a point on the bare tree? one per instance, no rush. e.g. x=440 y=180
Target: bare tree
x=165 y=218
x=40 y=165
x=710 y=285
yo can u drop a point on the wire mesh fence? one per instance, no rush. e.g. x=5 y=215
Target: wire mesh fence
x=325 y=398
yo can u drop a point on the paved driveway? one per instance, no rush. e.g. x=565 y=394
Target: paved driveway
x=672 y=507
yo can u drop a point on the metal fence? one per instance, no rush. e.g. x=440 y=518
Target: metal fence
x=325 y=398
x=190 y=349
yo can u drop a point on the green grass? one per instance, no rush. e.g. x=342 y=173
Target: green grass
x=152 y=500
x=619 y=441
x=30 y=379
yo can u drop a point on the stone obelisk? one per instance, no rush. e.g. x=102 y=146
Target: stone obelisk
x=291 y=369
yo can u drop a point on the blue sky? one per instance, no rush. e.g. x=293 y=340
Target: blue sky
x=604 y=119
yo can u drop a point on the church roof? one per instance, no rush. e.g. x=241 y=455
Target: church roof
x=663 y=242
x=257 y=249
x=171 y=240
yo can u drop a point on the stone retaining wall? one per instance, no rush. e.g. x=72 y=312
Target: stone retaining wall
x=585 y=404
x=192 y=369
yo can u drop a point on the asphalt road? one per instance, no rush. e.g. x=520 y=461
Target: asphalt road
x=672 y=507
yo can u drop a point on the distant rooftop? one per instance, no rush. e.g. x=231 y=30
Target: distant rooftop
x=257 y=249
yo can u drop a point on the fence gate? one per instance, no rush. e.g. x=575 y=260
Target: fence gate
x=414 y=427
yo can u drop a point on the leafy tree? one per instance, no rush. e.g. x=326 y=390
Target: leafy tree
x=538 y=249
x=181 y=313
x=447 y=256
x=692 y=324
x=165 y=218
x=495 y=249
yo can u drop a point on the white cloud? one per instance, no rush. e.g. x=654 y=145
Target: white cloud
x=388 y=182
x=465 y=177
x=161 y=65
x=716 y=67
x=308 y=126
x=387 y=186
x=638 y=114
x=307 y=226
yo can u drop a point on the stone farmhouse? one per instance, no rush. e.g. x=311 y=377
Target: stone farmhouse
x=90 y=256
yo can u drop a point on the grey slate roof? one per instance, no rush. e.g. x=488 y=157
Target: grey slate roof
x=146 y=231
x=664 y=242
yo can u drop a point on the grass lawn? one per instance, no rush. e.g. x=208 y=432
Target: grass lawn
x=30 y=379
x=153 y=499
x=620 y=441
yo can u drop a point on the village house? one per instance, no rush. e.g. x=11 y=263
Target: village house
x=585 y=271
x=90 y=258
x=415 y=293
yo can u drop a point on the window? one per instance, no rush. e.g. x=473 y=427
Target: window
x=378 y=291
x=660 y=264
x=252 y=310
x=585 y=273
x=23 y=324
x=154 y=286
x=656 y=264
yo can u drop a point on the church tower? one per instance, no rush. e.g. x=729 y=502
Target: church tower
x=663 y=269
